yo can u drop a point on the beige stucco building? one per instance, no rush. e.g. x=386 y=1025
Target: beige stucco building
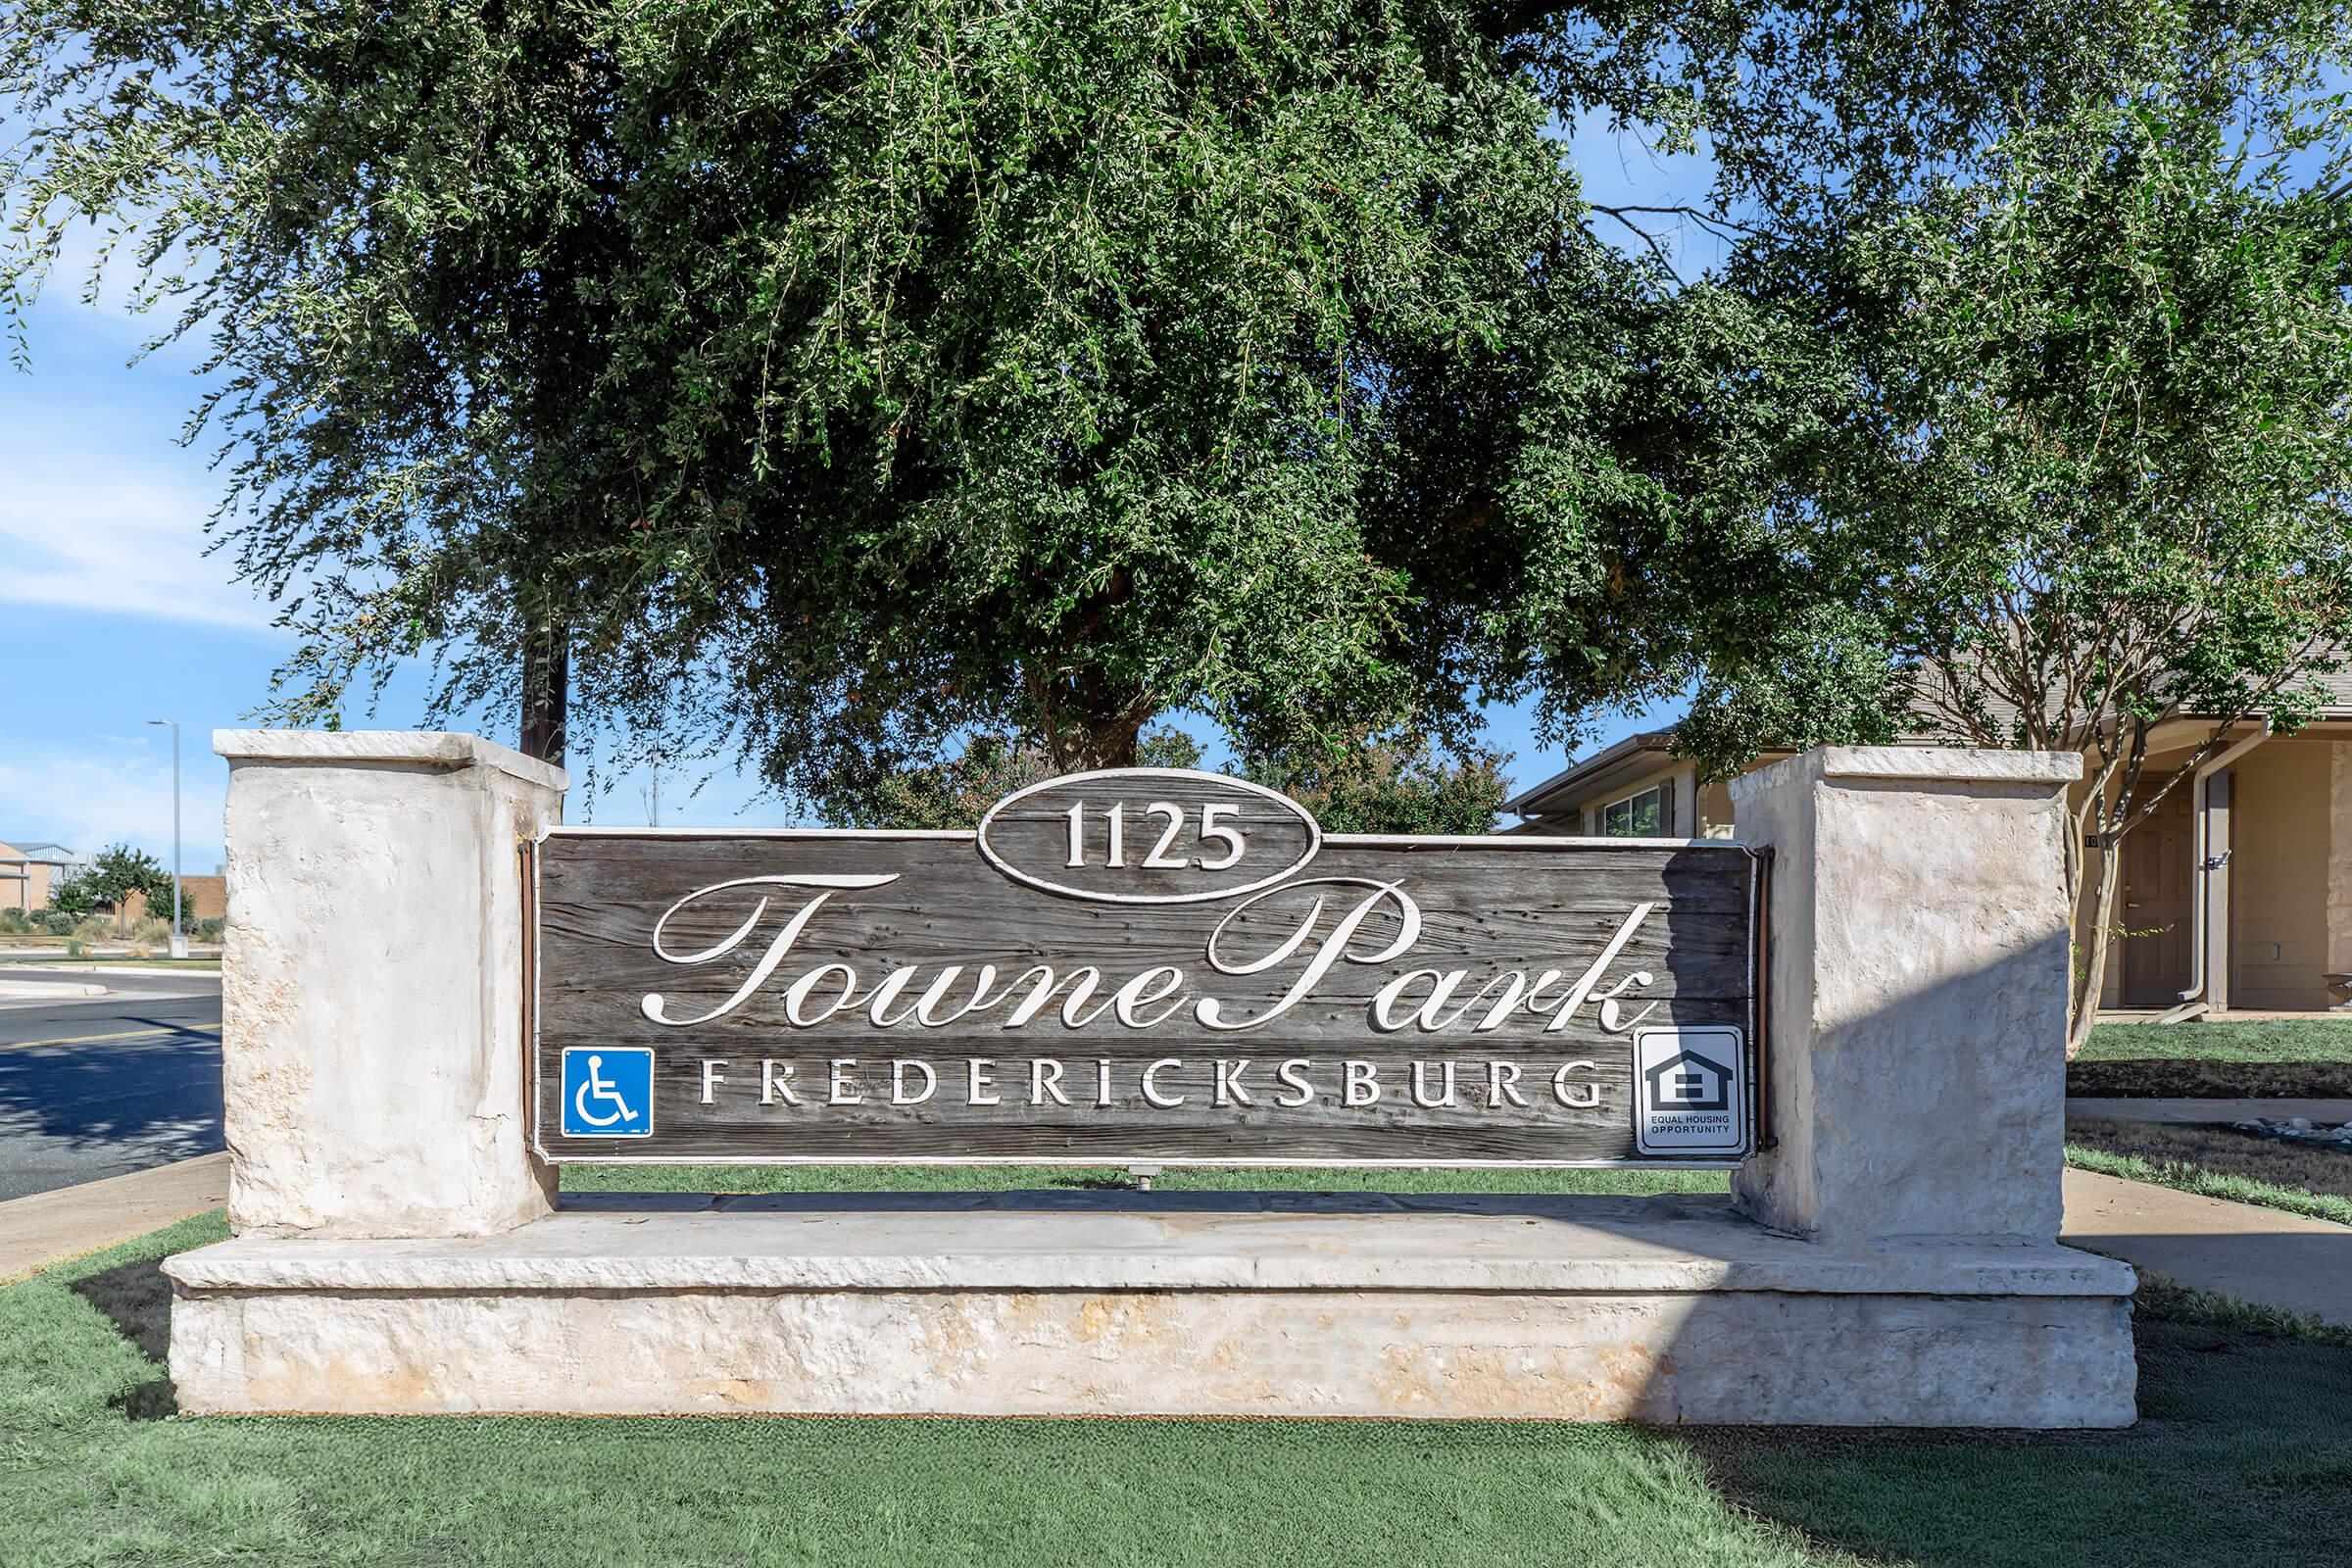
x=28 y=872
x=2237 y=892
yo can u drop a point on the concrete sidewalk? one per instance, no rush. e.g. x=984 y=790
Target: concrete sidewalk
x=2183 y=1112
x=2263 y=1255
x=51 y=1227
x=48 y=990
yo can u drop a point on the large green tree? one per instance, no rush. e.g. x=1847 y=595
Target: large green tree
x=2100 y=481
x=829 y=383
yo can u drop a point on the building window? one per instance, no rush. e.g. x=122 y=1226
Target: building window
x=1636 y=816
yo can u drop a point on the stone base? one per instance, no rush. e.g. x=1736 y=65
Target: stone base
x=1670 y=1309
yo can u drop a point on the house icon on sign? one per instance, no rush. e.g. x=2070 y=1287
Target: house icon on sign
x=1688 y=1081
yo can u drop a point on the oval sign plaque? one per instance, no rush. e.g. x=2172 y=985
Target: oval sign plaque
x=1148 y=835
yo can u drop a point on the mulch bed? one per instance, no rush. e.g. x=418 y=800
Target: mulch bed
x=2157 y=1079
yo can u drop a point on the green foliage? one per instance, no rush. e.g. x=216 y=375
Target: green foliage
x=952 y=796
x=2166 y=1300
x=117 y=871
x=2274 y=1189
x=2097 y=472
x=1391 y=785
x=53 y=921
x=2241 y=1459
x=2104 y=468
x=937 y=368
x=73 y=895
x=843 y=383
x=2223 y=1039
x=15 y=923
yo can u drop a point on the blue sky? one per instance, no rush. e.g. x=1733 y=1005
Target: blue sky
x=118 y=616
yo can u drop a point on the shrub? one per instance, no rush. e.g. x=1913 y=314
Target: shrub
x=54 y=922
x=15 y=923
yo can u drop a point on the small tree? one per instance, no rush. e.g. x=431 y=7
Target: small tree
x=71 y=896
x=2104 y=485
x=952 y=796
x=1387 y=786
x=117 y=871
x=1398 y=784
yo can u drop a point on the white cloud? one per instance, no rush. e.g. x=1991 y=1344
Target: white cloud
x=89 y=531
x=87 y=800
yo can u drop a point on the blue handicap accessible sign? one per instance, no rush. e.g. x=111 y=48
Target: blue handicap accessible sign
x=608 y=1091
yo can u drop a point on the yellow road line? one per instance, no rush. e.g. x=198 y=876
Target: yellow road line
x=91 y=1040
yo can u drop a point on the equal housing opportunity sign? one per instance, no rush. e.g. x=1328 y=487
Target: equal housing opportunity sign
x=1143 y=966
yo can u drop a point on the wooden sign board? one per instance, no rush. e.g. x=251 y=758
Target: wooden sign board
x=1142 y=966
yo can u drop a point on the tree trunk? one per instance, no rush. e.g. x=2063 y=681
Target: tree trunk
x=1085 y=723
x=546 y=691
x=2093 y=977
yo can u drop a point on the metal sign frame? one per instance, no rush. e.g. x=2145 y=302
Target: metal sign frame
x=1754 y=1095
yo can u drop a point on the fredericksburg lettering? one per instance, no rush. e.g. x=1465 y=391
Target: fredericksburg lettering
x=1142 y=966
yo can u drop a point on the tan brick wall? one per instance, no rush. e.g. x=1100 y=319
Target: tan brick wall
x=201 y=897
x=2279 y=875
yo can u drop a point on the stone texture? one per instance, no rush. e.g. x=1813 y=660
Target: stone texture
x=1917 y=993
x=396 y=1252
x=1658 y=1310
x=1943 y=764
x=371 y=983
x=1099 y=1241
x=420 y=748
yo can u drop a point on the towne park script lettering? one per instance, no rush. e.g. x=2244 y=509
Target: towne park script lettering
x=1143 y=966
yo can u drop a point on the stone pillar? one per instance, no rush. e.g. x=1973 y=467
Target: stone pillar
x=372 y=984
x=1916 y=1022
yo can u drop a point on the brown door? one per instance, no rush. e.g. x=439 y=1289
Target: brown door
x=2158 y=884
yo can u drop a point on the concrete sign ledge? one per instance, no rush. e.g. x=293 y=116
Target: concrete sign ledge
x=1665 y=1310
x=1947 y=764
x=1681 y=1244
x=360 y=747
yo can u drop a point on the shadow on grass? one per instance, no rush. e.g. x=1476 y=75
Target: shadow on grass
x=2243 y=1453
x=136 y=1299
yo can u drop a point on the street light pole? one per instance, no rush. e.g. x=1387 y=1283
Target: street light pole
x=179 y=942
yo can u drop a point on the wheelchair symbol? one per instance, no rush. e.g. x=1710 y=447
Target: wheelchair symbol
x=607 y=1093
x=597 y=1089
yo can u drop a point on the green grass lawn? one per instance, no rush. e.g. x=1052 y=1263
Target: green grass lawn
x=2218 y=1162
x=2245 y=1456
x=2229 y=1059
x=2268 y=1040
x=1174 y=1179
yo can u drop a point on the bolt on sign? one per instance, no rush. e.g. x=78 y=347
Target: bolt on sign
x=1143 y=966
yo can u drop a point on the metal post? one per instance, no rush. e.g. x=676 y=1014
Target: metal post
x=179 y=942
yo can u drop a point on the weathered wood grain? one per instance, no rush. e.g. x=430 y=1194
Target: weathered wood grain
x=1487 y=907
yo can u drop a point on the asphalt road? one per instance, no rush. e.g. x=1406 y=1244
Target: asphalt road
x=108 y=1085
